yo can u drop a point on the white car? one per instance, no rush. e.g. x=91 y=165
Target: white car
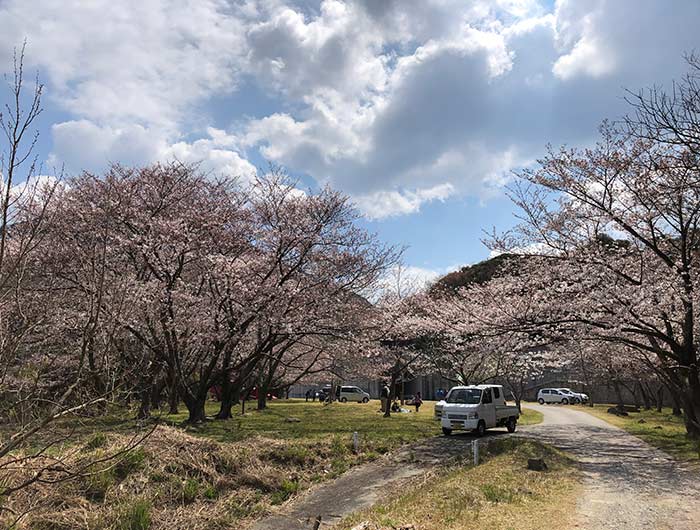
x=553 y=395
x=477 y=408
x=352 y=393
x=578 y=397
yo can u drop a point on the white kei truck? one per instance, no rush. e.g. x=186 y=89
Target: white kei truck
x=477 y=408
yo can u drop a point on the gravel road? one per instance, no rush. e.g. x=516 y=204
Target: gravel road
x=627 y=483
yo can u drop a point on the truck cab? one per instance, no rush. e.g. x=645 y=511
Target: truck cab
x=477 y=408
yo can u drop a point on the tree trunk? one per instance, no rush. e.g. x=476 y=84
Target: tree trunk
x=677 y=410
x=145 y=405
x=230 y=395
x=691 y=404
x=618 y=395
x=173 y=391
x=173 y=401
x=195 y=408
x=157 y=394
x=645 y=397
x=262 y=399
x=659 y=398
x=392 y=394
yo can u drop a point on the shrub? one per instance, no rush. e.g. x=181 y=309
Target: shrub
x=99 y=439
x=130 y=462
x=97 y=483
x=287 y=489
x=210 y=492
x=497 y=494
x=190 y=490
x=135 y=516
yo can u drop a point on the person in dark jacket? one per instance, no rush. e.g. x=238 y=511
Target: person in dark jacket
x=384 y=395
x=417 y=401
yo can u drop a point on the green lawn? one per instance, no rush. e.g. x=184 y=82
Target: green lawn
x=660 y=429
x=319 y=421
x=500 y=494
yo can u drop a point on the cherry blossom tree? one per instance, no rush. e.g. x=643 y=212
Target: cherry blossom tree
x=619 y=224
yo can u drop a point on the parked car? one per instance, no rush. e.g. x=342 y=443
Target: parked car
x=439 y=405
x=352 y=393
x=323 y=393
x=477 y=408
x=553 y=395
x=578 y=397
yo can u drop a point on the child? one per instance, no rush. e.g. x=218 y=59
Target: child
x=417 y=401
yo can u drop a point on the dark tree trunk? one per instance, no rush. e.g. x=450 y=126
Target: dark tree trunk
x=392 y=394
x=691 y=404
x=618 y=395
x=262 y=399
x=157 y=394
x=195 y=408
x=659 y=398
x=230 y=395
x=145 y=405
x=173 y=401
x=645 y=397
x=677 y=410
x=173 y=391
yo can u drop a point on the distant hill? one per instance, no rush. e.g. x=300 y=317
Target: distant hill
x=471 y=274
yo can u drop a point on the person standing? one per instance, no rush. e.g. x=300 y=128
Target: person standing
x=417 y=401
x=384 y=395
x=308 y=394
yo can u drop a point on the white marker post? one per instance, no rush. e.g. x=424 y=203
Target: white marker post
x=355 y=442
x=475 y=451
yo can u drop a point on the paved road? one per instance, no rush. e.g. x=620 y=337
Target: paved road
x=627 y=483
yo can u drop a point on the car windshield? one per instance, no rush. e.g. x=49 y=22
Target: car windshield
x=467 y=396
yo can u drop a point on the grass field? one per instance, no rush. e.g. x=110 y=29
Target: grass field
x=660 y=429
x=221 y=474
x=318 y=421
x=500 y=494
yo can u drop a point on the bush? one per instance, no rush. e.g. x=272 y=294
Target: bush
x=130 y=462
x=190 y=490
x=135 y=516
x=97 y=483
x=287 y=489
x=99 y=439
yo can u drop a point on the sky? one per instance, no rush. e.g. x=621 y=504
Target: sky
x=419 y=110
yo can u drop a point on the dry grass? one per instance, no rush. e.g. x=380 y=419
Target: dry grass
x=218 y=475
x=176 y=480
x=500 y=494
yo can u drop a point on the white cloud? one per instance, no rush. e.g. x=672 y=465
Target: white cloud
x=397 y=102
x=382 y=204
x=135 y=144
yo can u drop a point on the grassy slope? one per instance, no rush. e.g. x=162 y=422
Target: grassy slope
x=670 y=436
x=497 y=495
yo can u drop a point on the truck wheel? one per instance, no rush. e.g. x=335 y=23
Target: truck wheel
x=540 y=401
x=446 y=431
x=480 y=429
x=511 y=424
x=343 y=400
x=365 y=400
x=565 y=401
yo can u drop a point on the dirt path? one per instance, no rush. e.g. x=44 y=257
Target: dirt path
x=627 y=483
x=362 y=486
